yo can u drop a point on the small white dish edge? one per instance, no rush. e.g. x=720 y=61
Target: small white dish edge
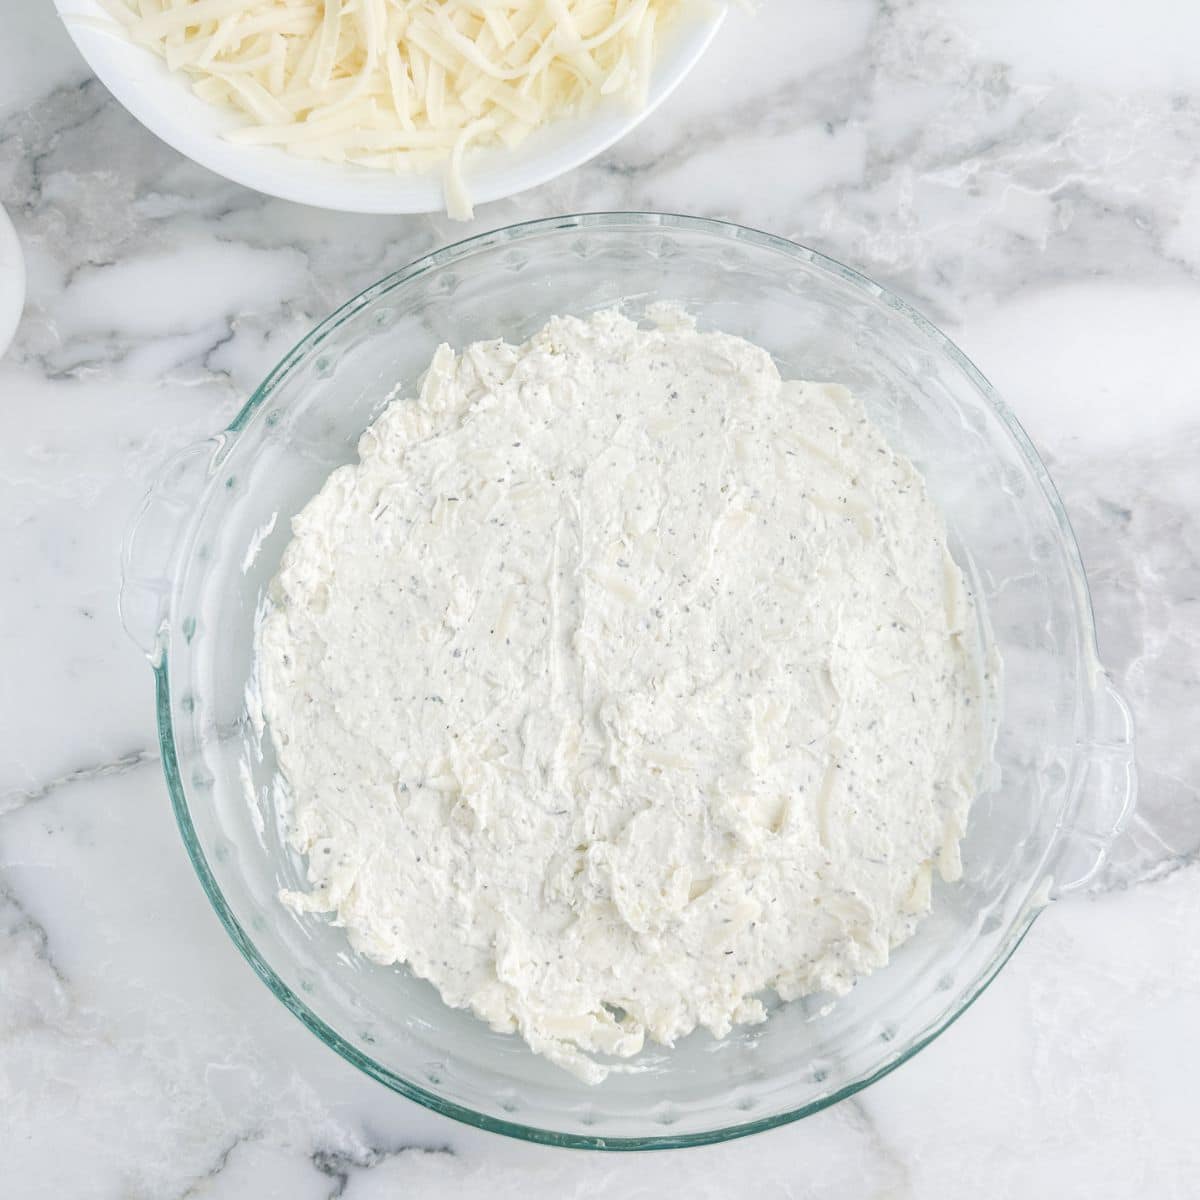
x=12 y=282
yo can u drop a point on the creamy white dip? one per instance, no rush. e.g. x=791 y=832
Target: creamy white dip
x=621 y=682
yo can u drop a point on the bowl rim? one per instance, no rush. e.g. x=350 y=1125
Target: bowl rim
x=140 y=82
x=457 y=252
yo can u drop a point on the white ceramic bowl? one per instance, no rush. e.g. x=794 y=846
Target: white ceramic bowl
x=163 y=101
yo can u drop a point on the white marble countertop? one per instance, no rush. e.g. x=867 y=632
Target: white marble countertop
x=1028 y=174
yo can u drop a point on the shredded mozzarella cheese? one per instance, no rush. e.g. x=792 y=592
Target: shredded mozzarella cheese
x=402 y=84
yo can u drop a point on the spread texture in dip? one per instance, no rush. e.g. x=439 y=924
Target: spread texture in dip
x=621 y=682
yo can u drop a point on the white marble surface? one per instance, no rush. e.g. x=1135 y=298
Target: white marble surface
x=1029 y=174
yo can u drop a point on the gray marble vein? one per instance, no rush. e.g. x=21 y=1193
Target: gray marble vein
x=118 y=766
x=340 y=1166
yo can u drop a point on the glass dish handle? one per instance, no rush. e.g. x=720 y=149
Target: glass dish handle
x=151 y=548
x=1107 y=793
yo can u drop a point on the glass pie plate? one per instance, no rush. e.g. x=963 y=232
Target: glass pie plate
x=209 y=537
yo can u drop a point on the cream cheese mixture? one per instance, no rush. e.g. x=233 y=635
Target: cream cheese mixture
x=620 y=683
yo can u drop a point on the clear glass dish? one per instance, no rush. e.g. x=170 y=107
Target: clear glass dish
x=208 y=540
